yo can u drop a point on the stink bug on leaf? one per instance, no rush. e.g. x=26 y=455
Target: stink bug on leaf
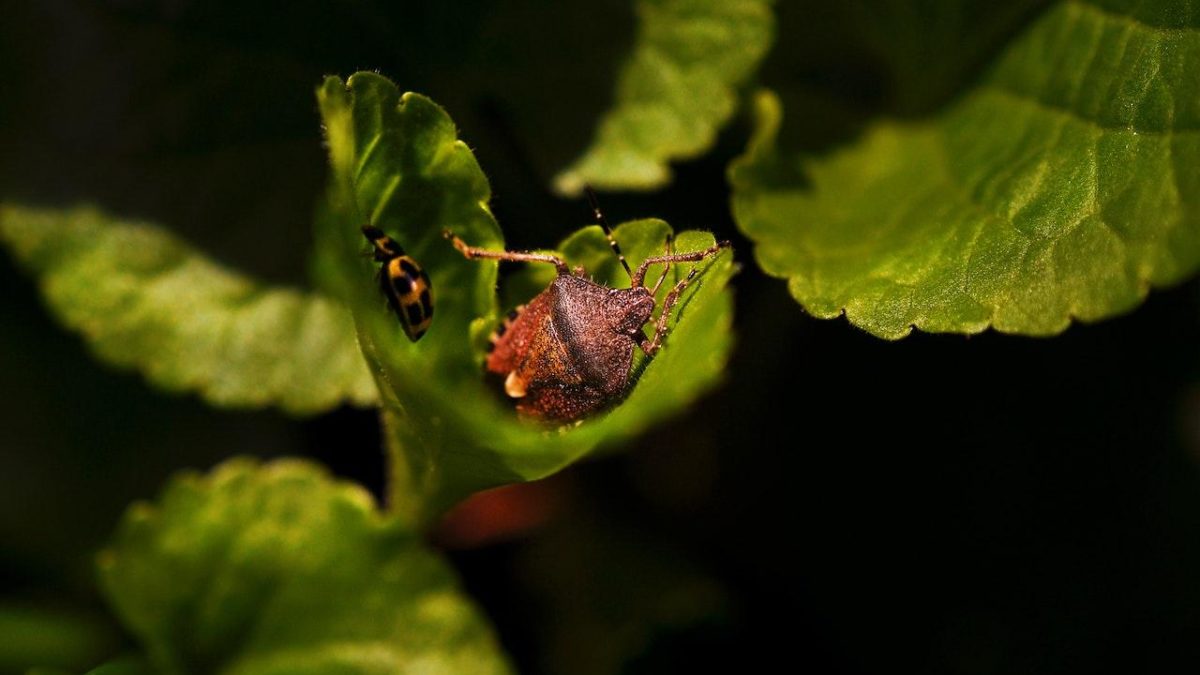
x=403 y=282
x=569 y=351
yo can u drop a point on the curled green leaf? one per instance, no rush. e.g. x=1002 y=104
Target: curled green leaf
x=276 y=568
x=143 y=299
x=677 y=89
x=399 y=165
x=1062 y=185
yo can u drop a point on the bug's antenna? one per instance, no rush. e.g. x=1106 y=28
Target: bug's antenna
x=608 y=233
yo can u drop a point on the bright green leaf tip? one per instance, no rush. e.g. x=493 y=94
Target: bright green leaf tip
x=143 y=299
x=277 y=568
x=676 y=90
x=1062 y=185
x=398 y=164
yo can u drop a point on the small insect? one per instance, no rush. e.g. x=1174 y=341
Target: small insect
x=568 y=353
x=403 y=282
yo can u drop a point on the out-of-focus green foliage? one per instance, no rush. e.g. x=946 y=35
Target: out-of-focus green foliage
x=122 y=666
x=276 y=568
x=46 y=636
x=675 y=91
x=126 y=666
x=1063 y=184
x=398 y=164
x=143 y=299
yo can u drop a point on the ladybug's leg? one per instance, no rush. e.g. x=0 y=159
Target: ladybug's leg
x=640 y=275
x=473 y=253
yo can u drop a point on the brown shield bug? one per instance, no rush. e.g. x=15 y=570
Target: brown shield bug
x=569 y=351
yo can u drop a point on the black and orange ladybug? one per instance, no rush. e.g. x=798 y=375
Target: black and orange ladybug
x=403 y=282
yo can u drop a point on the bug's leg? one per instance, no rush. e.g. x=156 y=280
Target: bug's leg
x=649 y=346
x=666 y=268
x=695 y=256
x=473 y=253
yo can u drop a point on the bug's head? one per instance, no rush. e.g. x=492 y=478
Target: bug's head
x=384 y=247
x=629 y=309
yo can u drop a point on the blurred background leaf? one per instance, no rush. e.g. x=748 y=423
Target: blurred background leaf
x=143 y=299
x=274 y=568
x=125 y=666
x=676 y=89
x=1062 y=185
x=130 y=665
x=53 y=636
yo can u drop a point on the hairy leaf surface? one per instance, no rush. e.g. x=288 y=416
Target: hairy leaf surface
x=675 y=91
x=276 y=568
x=1062 y=185
x=143 y=299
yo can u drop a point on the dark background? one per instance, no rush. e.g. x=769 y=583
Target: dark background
x=991 y=504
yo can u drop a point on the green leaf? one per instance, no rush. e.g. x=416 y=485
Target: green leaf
x=676 y=90
x=143 y=299
x=62 y=638
x=276 y=568
x=123 y=666
x=1063 y=184
x=398 y=164
x=128 y=666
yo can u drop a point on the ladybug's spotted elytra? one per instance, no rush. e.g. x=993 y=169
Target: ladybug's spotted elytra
x=569 y=351
x=403 y=282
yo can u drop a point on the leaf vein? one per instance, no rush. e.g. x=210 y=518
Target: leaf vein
x=1031 y=100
